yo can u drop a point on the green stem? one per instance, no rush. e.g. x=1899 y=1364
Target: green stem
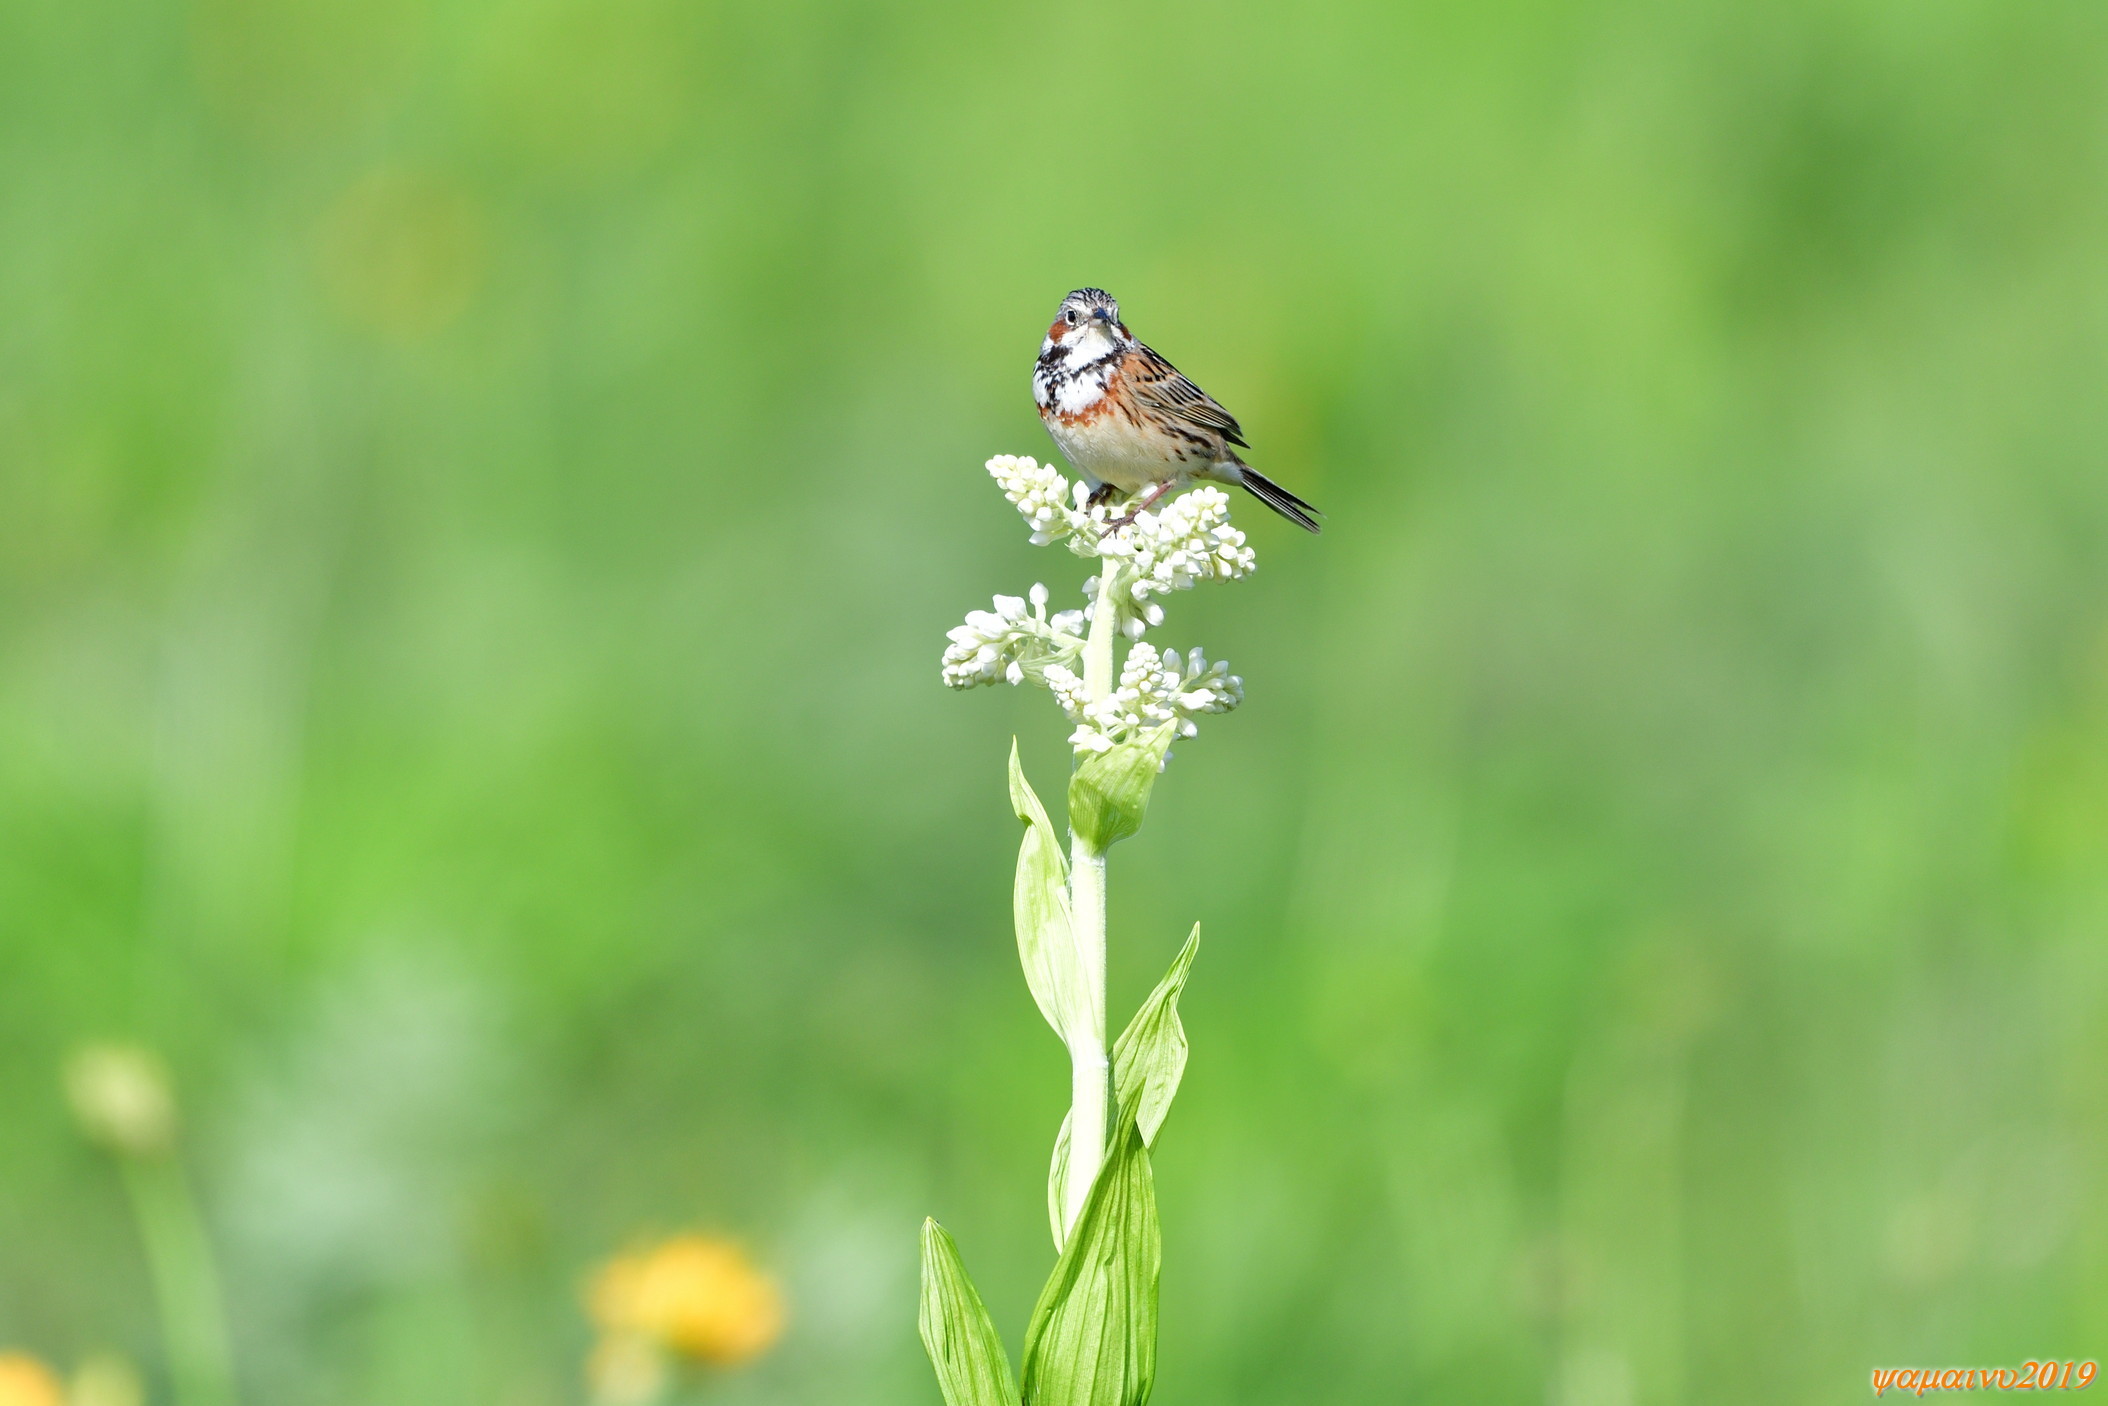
x=1098 y=644
x=1090 y=1071
x=186 y=1284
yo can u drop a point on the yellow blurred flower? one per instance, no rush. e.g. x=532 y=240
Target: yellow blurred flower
x=691 y=1295
x=24 y=1381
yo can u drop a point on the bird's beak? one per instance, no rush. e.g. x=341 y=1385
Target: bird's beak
x=1101 y=315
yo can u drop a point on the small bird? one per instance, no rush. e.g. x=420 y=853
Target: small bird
x=1128 y=420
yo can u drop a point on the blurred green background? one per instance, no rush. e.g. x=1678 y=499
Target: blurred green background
x=483 y=485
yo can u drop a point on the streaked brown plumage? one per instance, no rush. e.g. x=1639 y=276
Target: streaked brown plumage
x=1130 y=421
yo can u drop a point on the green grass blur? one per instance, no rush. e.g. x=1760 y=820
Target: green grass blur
x=483 y=485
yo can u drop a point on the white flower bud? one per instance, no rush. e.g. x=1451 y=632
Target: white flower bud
x=1009 y=643
x=1039 y=493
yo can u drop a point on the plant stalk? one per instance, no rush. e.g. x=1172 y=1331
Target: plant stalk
x=1090 y=1071
x=1098 y=643
x=186 y=1283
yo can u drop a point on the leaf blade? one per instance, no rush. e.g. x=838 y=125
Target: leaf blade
x=1058 y=1182
x=1148 y=1062
x=973 y=1369
x=1092 y=1339
x=1046 y=944
x=1149 y=1058
x=1109 y=791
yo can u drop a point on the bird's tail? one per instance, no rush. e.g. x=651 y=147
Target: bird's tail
x=1279 y=499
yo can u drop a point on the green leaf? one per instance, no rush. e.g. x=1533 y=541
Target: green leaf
x=1092 y=1340
x=1046 y=946
x=964 y=1347
x=1058 y=1180
x=1149 y=1059
x=1109 y=792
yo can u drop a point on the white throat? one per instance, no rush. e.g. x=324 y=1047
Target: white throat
x=1089 y=342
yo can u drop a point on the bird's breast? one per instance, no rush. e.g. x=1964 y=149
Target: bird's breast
x=1067 y=389
x=1109 y=446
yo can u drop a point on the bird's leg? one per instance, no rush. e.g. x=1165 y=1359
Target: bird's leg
x=1149 y=501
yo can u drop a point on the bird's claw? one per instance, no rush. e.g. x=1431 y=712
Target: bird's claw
x=1149 y=500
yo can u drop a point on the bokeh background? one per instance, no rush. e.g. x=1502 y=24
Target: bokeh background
x=483 y=485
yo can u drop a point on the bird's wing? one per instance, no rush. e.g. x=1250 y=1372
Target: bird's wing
x=1163 y=388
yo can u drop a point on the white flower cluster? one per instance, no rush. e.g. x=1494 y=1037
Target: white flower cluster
x=1150 y=554
x=1154 y=689
x=1040 y=493
x=1012 y=642
x=1187 y=541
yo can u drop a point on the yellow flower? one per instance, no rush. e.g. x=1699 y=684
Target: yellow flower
x=24 y=1381
x=691 y=1295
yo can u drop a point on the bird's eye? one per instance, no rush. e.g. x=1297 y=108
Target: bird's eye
x=1069 y=317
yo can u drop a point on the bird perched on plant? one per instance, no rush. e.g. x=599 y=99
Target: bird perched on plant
x=1128 y=420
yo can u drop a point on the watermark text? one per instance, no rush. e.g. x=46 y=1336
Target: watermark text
x=2028 y=1376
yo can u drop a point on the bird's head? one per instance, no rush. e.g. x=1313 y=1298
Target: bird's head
x=1088 y=324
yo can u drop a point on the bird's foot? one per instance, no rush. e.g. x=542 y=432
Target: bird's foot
x=1149 y=501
